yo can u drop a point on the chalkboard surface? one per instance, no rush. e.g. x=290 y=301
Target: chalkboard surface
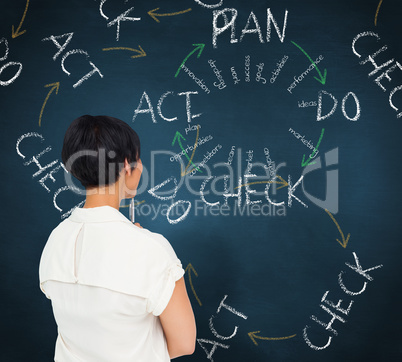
x=270 y=138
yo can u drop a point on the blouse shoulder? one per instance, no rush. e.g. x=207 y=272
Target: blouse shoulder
x=113 y=255
x=159 y=241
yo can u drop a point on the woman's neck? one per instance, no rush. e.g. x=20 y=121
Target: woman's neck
x=103 y=196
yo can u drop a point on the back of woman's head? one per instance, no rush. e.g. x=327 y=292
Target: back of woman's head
x=95 y=147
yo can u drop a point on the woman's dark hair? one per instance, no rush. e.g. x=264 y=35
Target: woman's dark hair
x=94 y=145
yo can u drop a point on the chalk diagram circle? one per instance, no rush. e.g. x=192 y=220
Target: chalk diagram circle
x=261 y=65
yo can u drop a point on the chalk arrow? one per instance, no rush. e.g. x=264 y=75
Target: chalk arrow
x=344 y=241
x=178 y=136
x=199 y=48
x=323 y=78
x=190 y=269
x=140 y=52
x=253 y=336
x=281 y=182
x=154 y=15
x=54 y=87
x=17 y=32
x=185 y=172
x=303 y=164
x=376 y=13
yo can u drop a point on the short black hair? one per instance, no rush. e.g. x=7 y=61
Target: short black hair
x=93 y=145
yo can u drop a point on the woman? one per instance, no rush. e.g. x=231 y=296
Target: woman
x=117 y=290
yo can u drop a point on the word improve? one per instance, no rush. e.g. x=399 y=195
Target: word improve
x=386 y=67
x=338 y=311
x=229 y=15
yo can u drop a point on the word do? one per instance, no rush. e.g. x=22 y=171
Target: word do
x=320 y=117
x=9 y=64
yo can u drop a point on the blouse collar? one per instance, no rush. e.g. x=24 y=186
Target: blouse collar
x=97 y=214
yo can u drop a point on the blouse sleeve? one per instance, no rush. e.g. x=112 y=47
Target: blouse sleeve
x=165 y=282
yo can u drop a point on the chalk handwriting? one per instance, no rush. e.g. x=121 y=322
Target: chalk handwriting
x=338 y=311
x=9 y=64
x=252 y=26
x=61 y=47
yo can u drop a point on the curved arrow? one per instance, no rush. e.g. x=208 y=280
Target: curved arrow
x=281 y=182
x=55 y=87
x=16 y=33
x=376 y=14
x=185 y=172
x=190 y=268
x=303 y=164
x=344 y=242
x=178 y=136
x=199 y=47
x=322 y=78
x=253 y=336
x=140 y=52
x=154 y=16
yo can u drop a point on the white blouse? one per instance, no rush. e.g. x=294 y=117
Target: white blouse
x=108 y=281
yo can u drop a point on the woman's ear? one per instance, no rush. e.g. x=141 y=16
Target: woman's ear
x=127 y=167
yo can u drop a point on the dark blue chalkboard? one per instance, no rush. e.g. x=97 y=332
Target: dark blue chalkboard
x=253 y=88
